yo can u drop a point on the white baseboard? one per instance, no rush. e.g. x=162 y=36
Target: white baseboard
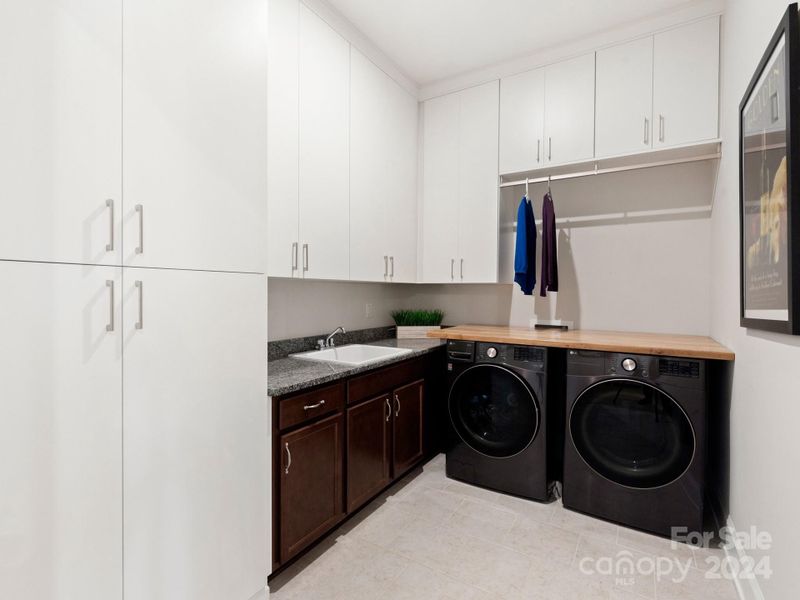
x=748 y=589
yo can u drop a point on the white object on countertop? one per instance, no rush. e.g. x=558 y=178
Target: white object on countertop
x=353 y=354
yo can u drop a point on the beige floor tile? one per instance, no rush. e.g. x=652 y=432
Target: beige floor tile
x=697 y=584
x=557 y=582
x=522 y=506
x=418 y=582
x=654 y=545
x=430 y=504
x=481 y=520
x=615 y=566
x=541 y=540
x=582 y=524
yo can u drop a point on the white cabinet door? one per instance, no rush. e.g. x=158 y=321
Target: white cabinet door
x=194 y=149
x=324 y=58
x=569 y=110
x=440 y=189
x=195 y=448
x=521 y=121
x=60 y=432
x=282 y=117
x=624 y=98
x=383 y=176
x=477 y=198
x=686 y=84
x=60 y=118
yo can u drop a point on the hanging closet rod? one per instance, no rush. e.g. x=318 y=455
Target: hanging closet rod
x=604 y=171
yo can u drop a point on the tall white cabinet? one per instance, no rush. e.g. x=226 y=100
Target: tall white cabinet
x=181 y=440
x=60 y=148
x=383 y=175
x=61 y=432
x=459 y=203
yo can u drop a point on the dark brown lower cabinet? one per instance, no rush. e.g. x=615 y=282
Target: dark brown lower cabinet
x=369 y=447
x=310 y=484
x=408 y=432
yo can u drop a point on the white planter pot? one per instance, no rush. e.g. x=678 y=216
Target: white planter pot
x=405 y=332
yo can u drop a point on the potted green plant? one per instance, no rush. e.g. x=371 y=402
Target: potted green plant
x=417 y=323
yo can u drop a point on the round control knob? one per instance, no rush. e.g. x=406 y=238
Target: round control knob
x=491 y=352
x=629 y=364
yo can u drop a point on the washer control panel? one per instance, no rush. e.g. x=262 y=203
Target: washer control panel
x=522 y=356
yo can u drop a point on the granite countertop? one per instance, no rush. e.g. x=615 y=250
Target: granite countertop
x=288 y=375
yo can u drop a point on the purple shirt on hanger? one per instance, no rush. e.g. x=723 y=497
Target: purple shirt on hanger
x=549 y=273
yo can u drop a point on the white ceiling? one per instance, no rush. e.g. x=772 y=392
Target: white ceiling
x=434 y=39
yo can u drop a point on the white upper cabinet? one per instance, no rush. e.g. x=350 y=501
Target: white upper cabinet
x=459 y=224
x=440 y=193
x=194 y=117
x=324 y=62
x=624 y=98
x=60 y=147
x=686 y=84
x=196 y=445
x=521 y=121
x=477 y=198
x=383 y=176
x=61 y=432
x=282 y=142
x=569 y=110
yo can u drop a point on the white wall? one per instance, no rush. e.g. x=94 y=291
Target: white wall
x=765 y=408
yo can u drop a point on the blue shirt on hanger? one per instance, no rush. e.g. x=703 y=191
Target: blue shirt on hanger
x=525 y=251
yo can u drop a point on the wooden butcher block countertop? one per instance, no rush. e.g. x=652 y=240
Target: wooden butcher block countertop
x=687 y=346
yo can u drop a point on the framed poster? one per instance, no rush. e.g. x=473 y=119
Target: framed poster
x=769 y=210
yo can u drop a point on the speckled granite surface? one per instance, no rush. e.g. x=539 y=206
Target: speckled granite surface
x=288 y=375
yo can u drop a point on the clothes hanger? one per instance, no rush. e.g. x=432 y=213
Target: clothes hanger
x=527 y=197
x=548 y=187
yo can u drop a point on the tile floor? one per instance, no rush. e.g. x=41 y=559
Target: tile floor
x=431 y=538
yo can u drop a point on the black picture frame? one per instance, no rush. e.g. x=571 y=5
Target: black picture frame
x=787 y=33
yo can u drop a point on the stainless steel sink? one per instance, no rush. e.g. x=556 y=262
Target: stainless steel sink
x=352 y=354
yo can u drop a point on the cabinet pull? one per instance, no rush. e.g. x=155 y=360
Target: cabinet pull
x=385 y=266
x=294 y=256
x=397 y=405
x=388 y=410
x=391 y=262
x=305 y=258
x=549 y=148
x=110 y=286
x=462 y=268
x=452 y=266
x=660 y=128
x=538 y=150
x=288 y=457
x=646 y=131
x=140 y=210
x=313 y=406
x=140 y=322
x=110 y=244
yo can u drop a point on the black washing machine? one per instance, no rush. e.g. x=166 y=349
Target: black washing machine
x=635 y=443
x=504 y=432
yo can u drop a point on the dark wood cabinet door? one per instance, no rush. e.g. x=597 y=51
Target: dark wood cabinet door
x=311 y=484
x=369 y=447
x=408 y=404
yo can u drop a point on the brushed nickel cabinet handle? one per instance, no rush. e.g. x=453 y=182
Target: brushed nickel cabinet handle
x=388 y=409
x=391 y=262
x=294 y=256
x=110 y=244
x=462 y=268
x=110 y=286
x=646 y=131
x=397 y=405
x=305 y=257
x=660 y=128
x=538 y=150
x=385 y=266
x=313 y=406
x=288 y=457
x=452 y=266
x=549 y=148
x=140 y=322
x=140 y=210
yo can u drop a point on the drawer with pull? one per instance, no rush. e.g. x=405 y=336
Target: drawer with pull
x=294 y=410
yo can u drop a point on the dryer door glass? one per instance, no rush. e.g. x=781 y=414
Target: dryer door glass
x=493 y=410
x=632 y=433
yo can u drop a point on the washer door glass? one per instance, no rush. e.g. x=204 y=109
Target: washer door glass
x=493 y=410
x=632 y=433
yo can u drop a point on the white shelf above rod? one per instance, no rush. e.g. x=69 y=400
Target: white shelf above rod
x=606 y=170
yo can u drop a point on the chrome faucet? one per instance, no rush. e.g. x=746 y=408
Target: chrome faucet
x=328 y=343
